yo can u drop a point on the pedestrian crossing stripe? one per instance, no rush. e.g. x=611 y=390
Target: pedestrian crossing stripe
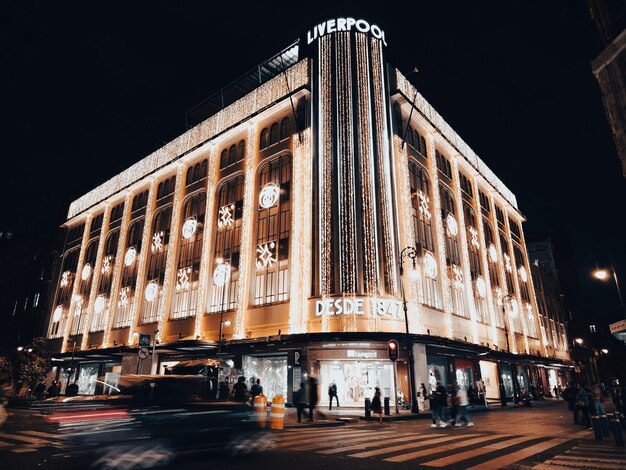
x=365 y=445
x=572 y=464
x=352 y=438
x=452 y=445
x=412 y=445
x=19 y=437
x=23 y=441
x=521 y=454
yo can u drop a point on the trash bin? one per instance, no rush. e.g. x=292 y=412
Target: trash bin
x=368 y=410
x=386 y=406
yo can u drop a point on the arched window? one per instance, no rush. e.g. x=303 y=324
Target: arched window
x=224 y=159
x=197 y=173
x=422 y=148
x=155 y=268
x=189 y=179
x=185 y=294
x=228 y=220
x=263 y=139
x=129 y=274
x=508 y=264
x=273 y=232
x=241 y=150
x=423 y=231
x=103 y=304
x=284 y=128
x=479 y=285
x=453 y=257
x=64 y=293
x=274 y=133
x=232 y=154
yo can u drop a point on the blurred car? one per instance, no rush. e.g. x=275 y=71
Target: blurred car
x=152 y=420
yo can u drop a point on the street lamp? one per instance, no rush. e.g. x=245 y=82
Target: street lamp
x=219 y=344
x=579 y=341
x=410 y=252
x=221 y=276
x=604 y=275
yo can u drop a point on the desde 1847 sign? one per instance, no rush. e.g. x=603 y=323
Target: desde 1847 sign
x=357 y=306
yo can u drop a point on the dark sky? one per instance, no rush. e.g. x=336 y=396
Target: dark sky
x=88 y=90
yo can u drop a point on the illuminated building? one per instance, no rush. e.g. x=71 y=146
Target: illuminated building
x=281 y=218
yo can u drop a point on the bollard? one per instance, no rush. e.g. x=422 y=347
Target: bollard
x=277 y=413
x=368 y=410
x=386 y=406
x=604 y=423
x=595 y=423
x=617 y=429
x=260 y=410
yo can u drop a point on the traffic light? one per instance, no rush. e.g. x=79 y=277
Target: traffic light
x=392 y=349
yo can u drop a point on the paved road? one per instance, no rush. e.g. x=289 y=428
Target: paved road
x=536 y=438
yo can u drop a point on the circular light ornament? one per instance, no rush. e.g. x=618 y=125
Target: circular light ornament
x=493 y=253
x=130 y=256
x=481 y=287
x=522 y=273
x=57 y=314
x=430 y=265
x=452 y=225
x=221 y=274
x=189 y=227
x=269 y=195
x=152 y=289
x=98 y=305
x=86 y=272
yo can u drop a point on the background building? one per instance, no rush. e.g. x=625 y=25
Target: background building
x=301 y=217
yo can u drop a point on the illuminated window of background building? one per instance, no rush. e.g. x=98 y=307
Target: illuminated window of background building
x=453 y=257
x=555 y=334
x=99 y=317
x=64 y=292
x=185 y=292
x=155 y=267
x=508 y=264
x=522 y=274
x=124 y=302
x=227 y=223
x=476 y=270
x=273 y=231
x=423 y=229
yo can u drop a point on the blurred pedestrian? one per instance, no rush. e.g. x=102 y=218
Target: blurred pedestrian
x=597 y=407
x=376 y=405
x=240 y=390
x=462 y=402
x=422 y=396
x=332 y=393
x=256 y=389
x=72 y=390
x=4 y=388
x=481 y=390
x=313 y=396
x=583 y=406
x=438 y=401
x=555 y=390
x=53 y=389
x=300 y=401
x=451 y=402
x=40 y=391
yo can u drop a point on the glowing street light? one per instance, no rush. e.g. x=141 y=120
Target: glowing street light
x=604 y=275
x=601 y=274
x=604 y=351
x=578 y=341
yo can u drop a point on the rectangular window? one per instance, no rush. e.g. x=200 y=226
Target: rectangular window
x=36 y=300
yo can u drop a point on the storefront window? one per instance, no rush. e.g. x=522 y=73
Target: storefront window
x=507 y=379
x=272 y=371
x=87 y=376
x=437 y=372
x=356 y=380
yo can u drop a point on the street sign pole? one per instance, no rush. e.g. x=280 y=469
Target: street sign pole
x=395 y=386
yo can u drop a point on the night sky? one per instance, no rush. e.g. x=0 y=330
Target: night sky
x=89 y=90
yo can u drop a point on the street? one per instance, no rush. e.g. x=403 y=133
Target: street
x=540 y=437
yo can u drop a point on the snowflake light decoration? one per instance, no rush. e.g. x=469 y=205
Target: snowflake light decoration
x=458 y=277
x=424 y=204
x=474 y=237
x=130 y=256
x=65 y=278
x=507 y=262
x=225 y=216
x=481 y=286
x=183 y=279
x=499 y=297
x=221 y=274
x=453 y=227
x=266 y=256
x=522 y=273
x=430 y=265
x=269 y=195
x=86 y=272
x=99 y=304
x=124 y=295
x=106 y=264
x=493 y=253
x=157 y=241
x=78 y=309
x=152 y=290
x=189 y=227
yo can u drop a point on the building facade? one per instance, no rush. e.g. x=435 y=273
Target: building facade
x=301 y=222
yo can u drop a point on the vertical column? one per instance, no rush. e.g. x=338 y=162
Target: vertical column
x=248 y=240
x=507 y=312
x=465 y=263
x=143 y=260
x=117 y=269
x=205 y=277
x=300 y=258
x=97 y=271
x=77 y=304
x=485 y=262
x=441 y=240
x=172 y=250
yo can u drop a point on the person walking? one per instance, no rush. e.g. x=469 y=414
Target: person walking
x=300 y=401
x=377 y=406
x=555 y=390
x=240 y=390
x=422 y=396
x=450 y=411
x=332 y=393
x=256 y=389
x=438 y=404
x=481 y=389
x=462 y=402
x=53 y=389
x=313 y=397
x=583 y=406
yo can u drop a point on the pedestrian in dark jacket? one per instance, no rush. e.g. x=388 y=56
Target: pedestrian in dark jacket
x=53 y=390
x=300 y=401
x=376 y=405
x=313 y=397
x=332 y=393
x=256 y=389
x=240 y=390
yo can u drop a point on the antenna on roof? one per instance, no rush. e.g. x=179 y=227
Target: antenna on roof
x=408 y=124
x=293 y=109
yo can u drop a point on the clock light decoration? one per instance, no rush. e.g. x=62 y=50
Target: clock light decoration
x=99 y=304
x=430 y=265
x=493 y=253
x=57 y=314
x=266 y=256
x=130 y=256
x=225 y=216
x=269 y=195
x=86 y=272
x=152 y=289
x=452 y=225
x=221 y=274
x=481 y=287
x=522 y=273
x=189 y=227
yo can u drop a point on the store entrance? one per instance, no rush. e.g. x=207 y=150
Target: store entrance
x=356 y=381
